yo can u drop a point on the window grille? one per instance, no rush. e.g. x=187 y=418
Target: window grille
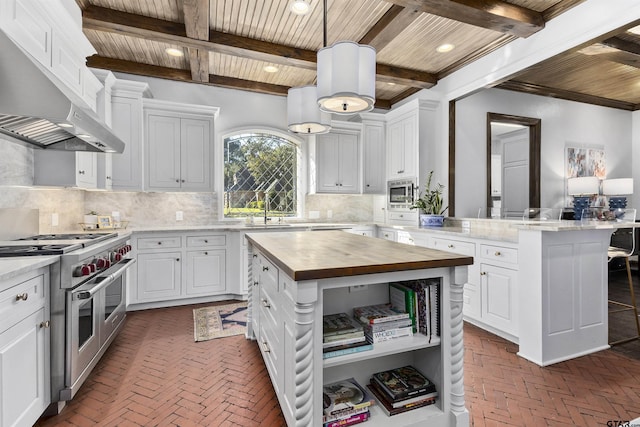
x=259 y=171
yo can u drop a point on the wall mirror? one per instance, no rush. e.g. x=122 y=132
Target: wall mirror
x=513 y=165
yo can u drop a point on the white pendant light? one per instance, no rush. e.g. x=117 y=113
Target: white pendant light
x=346 y=78
x=303 y=114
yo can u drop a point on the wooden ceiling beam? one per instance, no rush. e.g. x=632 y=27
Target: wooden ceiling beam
x=392 y=23
x=491 y=14
x=196 y=22
x=113 y=21
x=565 y=94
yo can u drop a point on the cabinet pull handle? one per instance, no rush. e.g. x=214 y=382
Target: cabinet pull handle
x=402 y=171
x=265 y=303
x=265 y=347
x=497 y=253
x=484 y=273
x=22 y=297
x=256 y=283
x=265 y=268
x=45 y=324
x=450 y=246
x=255 y=255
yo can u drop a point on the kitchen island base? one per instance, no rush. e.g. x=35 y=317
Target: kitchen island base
x=285 y=317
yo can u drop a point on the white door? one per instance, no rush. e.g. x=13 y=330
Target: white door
x=163 y=145
x=159 y=276
x=195 y=150
x=206 y=272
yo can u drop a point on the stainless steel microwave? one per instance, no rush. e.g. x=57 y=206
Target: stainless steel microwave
x=401 y=193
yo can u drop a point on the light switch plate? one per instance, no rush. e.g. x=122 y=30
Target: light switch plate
x=179 y=216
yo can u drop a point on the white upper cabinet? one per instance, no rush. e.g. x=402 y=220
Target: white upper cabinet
x=402 y=147
x=178 y=146
x=65 y=168
x=373 y=148
x=337 y=156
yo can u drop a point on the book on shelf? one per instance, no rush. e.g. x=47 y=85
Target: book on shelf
x=378 y=313
x=411 y=401
x=344 y=398
x=349 y=421
x=428 y=309
x=340 y=337
x=345 y=349
x=338 y=343
x=386 y=407
x=384 y=326
x=403 y=298
x=339 y=323
x=389 y=334
x=403 y=383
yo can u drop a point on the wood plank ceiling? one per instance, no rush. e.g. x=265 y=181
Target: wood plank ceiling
x=229 y=43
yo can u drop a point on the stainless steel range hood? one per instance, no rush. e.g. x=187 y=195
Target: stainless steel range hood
x=35 y=112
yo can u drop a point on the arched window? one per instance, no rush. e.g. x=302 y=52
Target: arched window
x=260 y=176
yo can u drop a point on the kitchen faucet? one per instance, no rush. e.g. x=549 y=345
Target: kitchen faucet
x=266 y=200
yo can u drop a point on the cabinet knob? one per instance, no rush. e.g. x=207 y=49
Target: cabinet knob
x=81 y=172
x=255 y=255
x=368 y=185
x=256 y=283
x=484 y=273
x=45 y=324
x=340 y=185
x=265 y=268
x=450 y=246
x=402 y=171
x=177 y=180
x=206 y=241
x=206 y=253
x=497 y=253
x=22 y=297
x=177 y=259
x=159 y=243
x=182 y=180
x=108 y=177
x=265 y=303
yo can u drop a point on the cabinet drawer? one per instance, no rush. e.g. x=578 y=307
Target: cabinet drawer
x=22 y=299
x=208 y=240
x=455 y=246
x=387 y=235
x=159 y=242
x=268 y=275
x=407 y=217
x=499 y=253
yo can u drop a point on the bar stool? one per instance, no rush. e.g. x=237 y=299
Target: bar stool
x=625 y=215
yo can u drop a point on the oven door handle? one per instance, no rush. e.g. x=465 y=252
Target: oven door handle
x=87 y=290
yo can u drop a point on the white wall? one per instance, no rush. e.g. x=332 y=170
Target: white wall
x=563 y=122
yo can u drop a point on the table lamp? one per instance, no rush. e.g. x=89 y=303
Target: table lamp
x=582 y=188
x=617 y=189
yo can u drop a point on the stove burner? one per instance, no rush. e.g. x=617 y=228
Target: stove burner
x=69 y=236
x=25 y=250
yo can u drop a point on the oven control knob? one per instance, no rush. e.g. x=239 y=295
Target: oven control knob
x=129 y=248
x=92 y=267
x=118 y=257
x=77 y=272
x=107 y=263
x=86 y=270
x=101 y=263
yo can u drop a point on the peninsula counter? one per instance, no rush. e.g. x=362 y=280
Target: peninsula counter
x=297 y=277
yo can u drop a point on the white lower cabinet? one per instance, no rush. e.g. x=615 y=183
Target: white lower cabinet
x=24 y=349
x=178 y=267
x=499 y=298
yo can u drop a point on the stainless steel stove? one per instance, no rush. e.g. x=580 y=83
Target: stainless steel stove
x=87 y=300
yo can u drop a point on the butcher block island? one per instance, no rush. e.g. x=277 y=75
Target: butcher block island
x=298 y=277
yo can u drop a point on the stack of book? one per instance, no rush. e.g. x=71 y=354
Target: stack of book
x=342 y=334
x=402 y=389
x=382 y=323
x=420 y=298
x=345 y=403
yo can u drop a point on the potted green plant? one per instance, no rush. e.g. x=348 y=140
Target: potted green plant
x=430 y=204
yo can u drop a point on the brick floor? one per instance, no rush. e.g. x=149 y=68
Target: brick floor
x=154 y=374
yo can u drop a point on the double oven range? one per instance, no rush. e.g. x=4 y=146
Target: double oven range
x=88 y=301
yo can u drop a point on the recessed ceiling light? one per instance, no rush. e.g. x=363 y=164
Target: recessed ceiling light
x=271 y=69
x=300 y=7
x=174 y=52
x=391 y=83
x=446 y=47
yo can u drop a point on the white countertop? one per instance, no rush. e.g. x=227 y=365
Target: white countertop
x=14 y=266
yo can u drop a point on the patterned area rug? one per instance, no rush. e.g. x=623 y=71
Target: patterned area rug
x=219 y=321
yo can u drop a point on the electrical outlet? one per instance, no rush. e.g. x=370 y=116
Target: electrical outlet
x=179 y=216
x=357 y=288
x=314 y=214
x=54 y=219
x=466 y=224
